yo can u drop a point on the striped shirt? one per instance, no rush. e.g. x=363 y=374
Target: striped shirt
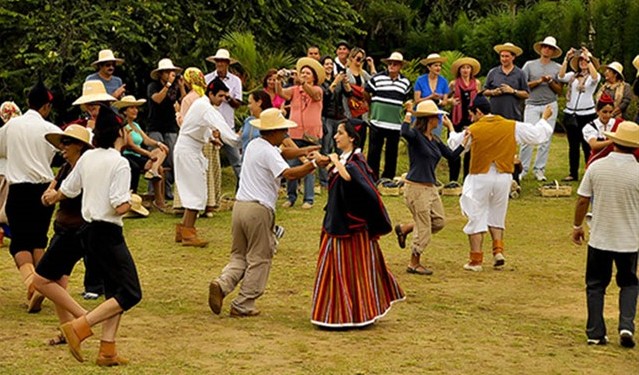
x=614 y=182
x=387 y=97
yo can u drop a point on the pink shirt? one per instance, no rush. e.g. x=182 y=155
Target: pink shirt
x=278 y=101
x=306 y=113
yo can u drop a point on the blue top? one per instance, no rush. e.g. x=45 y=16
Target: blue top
x=249 y=133
x=441 y=88
x=424 y=154
x=111 y=85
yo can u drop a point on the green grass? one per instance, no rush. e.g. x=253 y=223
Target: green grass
x=526 y=319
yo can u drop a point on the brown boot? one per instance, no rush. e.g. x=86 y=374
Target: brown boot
x=75 y=332
x=474 y=264
x=498 y=254
x=108 y=356
x=27 y=271
x=35 y=303
x=190 y=238
x=178 y=233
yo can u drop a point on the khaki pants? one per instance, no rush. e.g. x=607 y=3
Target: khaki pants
x=428 y=212
x=251 y=254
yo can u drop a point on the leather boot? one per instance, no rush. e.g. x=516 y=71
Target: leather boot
x=27 y=271
x=474 y=264
x=498 y=253
x=108 y=356
x=178 y=233
x=190 y=238
x=75 y=332
x=35 y=303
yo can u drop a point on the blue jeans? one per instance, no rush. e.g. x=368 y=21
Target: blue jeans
x=329 y=127
x=309 y=182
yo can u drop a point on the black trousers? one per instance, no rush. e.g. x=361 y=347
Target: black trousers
x=575 y=140
x=376 y=141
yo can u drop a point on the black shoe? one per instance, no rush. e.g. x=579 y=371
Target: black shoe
x=625 y=339
x=599 y=341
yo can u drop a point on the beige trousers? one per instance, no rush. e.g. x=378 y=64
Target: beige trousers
x=428 y=212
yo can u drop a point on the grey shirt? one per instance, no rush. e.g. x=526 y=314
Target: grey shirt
x=541 y=94
x=111 y=85
x=507 y=105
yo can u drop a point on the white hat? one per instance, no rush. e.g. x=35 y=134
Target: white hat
x=313 y=64
x=395 y=56
x=93 y=91
x=551 y=42
x=508 y=47
x=617 y=67
x=635 y=63
x=137 y=207
x=128 y=101
x=427 y=108
x=164 y=64
x=221 y=54
x=627 y=134
x=433 y=58
x=272 y=119
x=106 y=55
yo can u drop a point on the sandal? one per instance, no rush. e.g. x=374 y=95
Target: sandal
x=569 y=178
x=401 y=237
x=419 y=270
x=57 y=340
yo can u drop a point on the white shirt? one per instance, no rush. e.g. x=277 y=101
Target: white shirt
x=261 y=173
x=234 y=84
x=200 y=121
x=589 y=132
x=28 y=153
x=104 y=177
x=581 y=103
x=614 y=183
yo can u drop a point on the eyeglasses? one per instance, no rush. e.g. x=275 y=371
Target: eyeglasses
x=109 y=64
x=68 y=141
x=358 y=58
x=391 y=63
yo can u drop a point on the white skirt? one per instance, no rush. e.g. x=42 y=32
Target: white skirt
x=190 y=175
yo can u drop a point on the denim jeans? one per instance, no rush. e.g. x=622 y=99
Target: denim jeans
x=309 y=182
x=329 y=127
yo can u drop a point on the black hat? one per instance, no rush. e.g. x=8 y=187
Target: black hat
x=343 y=43
x=482 y=104
x=39 y=96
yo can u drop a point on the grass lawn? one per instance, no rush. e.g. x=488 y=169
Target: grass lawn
x=527 y=319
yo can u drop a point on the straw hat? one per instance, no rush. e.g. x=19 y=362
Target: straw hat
x=128 y=101
x=221 y=54
x=550 y=42
x=433 y=58
x=164 y=64
x=395 y=56
x=272 y=119
x=428 y=108
x=617 y=67
x=635 y=63
x=106 y=55
x=93 y=91
x=574 y=61
x=508 y=47
x=474 y=64
x=627 y=134
x=313 y=64
x=136 y=207
x=77 y=132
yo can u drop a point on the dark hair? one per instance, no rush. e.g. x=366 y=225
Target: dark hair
x=269 y=73
x=421 y=123
x=107 y=127
x=313 y=46
x=604 y=100
x=39 y=96
x=482 y=104
x=625 y=149
x=324 y=58
x=216 y=86
x=264 y=97
x=315 y=78
x=618 y=75
x=349 y=128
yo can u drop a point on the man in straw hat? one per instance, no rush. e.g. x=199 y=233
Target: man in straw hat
x=614 y=233
x=200 y=122
x=231 y=102
x=388 y=91
x=254 y=213
x=105 y=65
x=103 y=177
x=164 y=92
x=544 y=88
x=506 y=84
x=28 y=172
x=493 y=145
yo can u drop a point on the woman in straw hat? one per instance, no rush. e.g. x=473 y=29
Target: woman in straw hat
x=306 y=112
x=421 y=194
x=580 y=108
x=432 y=85
x=68 y=243
x=142 y=159
x=615 y=86
x=353 y=285
x=463 y=90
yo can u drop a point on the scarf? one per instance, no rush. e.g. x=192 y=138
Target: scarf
x=195 y=78
x=617 y=88
x=459 y=86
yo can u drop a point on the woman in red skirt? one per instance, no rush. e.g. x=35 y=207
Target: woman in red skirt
x=353 y=286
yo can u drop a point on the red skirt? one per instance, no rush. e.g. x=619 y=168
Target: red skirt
x=353 y=286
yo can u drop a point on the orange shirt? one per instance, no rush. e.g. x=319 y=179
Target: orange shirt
x=306 y=113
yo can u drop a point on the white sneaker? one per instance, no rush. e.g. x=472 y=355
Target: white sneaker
x=499 y=260
x=287 y=204
x=539 y=175
x=307 y=206
x=473 y=267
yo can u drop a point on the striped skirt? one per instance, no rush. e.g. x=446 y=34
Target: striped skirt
x=353 y=286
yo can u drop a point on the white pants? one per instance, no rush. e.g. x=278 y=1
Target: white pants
x=532 y=114
x=190 y=174
x=484 y=200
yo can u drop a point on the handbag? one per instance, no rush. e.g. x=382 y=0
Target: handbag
x=356 y=102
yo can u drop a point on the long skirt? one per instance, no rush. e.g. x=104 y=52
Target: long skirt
x=353 y=286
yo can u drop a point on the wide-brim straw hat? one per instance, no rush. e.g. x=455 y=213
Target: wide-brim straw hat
x=74 y=131
x=128 y=101
x=272 y=119
x=395 y=56
x=508 y=47
x=137 y=207
x=627 y=134
x=474 y=64
x=427 y=108
x=635 y=63
x=93 y=91
x=574 y=62
x=433 y=58
x=221 y=54
x=550 y=42
x=106 y=55
x=313 y=64
x=164 y=64
x=616 y=67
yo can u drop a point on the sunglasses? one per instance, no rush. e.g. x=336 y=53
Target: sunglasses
x=358 y=58
x=109 y=64
x=68 y=141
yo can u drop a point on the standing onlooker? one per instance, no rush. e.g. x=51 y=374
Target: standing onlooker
x=313 y=52
x=544 y=88
x=388 y=91
x=580 y=109
x=233 y=100
x=614 y=233
x=163 y=94
x=8 y=110
x=432 y=85
x=358 y=77
x=268 y=84
x=506 y=84
x=341 y=59
x=105 y=65
x=635 y=84
x=619 y=90
x=463 y=91
x=29 y=174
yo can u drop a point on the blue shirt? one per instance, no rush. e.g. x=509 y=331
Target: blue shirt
x=249 y=133
x=441 y=88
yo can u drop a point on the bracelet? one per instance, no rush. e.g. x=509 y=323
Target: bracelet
x=167 y=85
x=575 y=227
